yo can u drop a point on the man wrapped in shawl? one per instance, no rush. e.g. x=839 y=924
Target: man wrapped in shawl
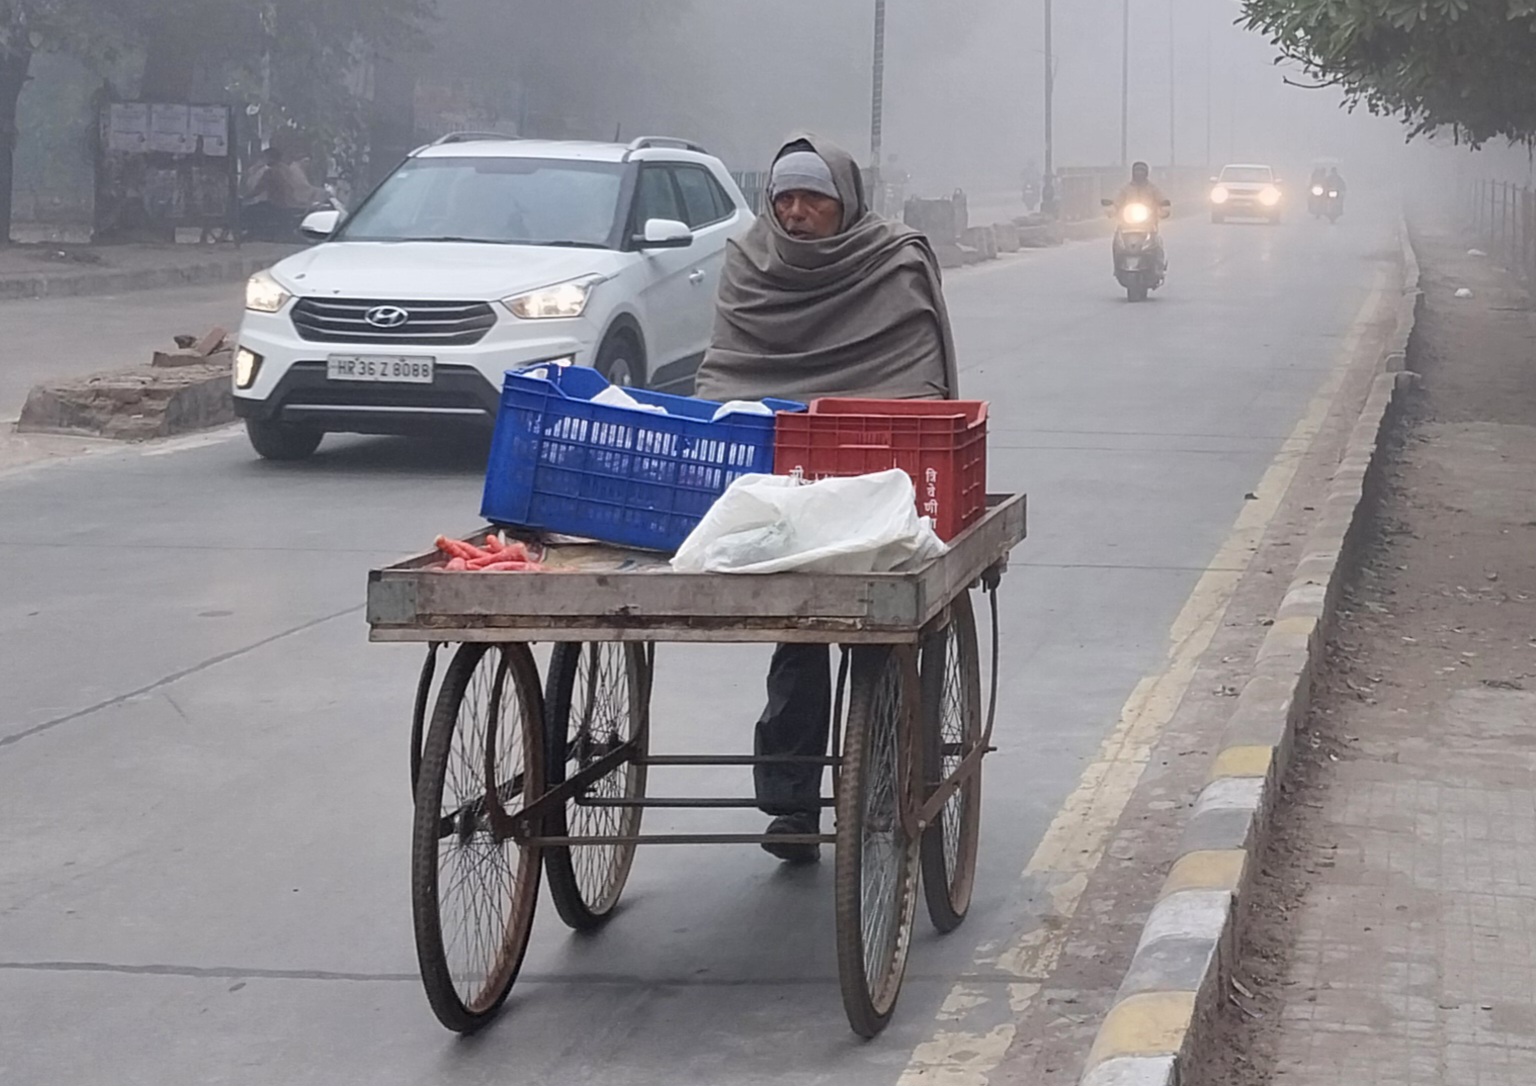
x=821 y=298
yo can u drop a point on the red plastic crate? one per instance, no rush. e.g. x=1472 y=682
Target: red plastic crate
x=941 y=444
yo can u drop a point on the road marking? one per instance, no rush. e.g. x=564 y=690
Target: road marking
x=970 y=1042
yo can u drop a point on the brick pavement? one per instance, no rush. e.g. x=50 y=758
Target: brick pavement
x=1394 y=938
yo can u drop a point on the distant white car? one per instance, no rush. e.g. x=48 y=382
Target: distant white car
x=1246 y=191
x=481 y=254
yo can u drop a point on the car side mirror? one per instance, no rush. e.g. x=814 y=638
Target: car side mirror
x=1215 y=180
x=320 y=225
x=664 y=234
x=1167 y=203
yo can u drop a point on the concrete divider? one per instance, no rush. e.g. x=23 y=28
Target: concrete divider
x=1179 y=971
x=134 y=404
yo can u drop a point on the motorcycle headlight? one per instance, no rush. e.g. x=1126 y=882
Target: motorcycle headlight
x=1219 y=194
x=1317 y=190
x=1136 y=214
x=263 y=294
x=1269 y=196
x=562 y=301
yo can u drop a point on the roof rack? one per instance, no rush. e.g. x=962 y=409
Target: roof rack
x=647 y=142
x=471 y=137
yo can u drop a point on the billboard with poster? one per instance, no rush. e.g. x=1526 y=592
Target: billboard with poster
x=161 y=166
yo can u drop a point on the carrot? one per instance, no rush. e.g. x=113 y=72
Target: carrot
x=456 y=548
x=456 y=565
x=508 y=567
x=513 y=551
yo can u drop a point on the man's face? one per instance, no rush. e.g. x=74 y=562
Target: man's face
x=808 y=216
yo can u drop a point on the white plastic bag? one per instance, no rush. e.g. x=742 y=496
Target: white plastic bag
x=743 y=407
x=615 y=396
x=773 y=524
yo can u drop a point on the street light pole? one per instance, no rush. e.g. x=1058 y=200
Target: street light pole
x=1173 y=83
x=1125 y=83
x=877 y=104
x=1208 y=99
x=1048 y=183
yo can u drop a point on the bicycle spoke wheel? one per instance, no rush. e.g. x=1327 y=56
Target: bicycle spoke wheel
x=876 y=881
x=951 y=728
x=473 y=896
x=597 y=702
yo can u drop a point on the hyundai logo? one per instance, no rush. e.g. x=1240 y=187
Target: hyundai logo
x=387 y=316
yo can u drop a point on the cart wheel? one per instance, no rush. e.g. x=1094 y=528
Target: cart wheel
x=951 y=729
x=473 y=896
x=876 y=882
x=598 y=699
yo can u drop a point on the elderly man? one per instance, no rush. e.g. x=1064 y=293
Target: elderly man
x=821 y=298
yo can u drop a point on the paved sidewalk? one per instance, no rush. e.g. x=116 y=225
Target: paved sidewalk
x=1394 y=939
x=45 y=270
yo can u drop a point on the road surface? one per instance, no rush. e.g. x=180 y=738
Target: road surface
x=203 y=799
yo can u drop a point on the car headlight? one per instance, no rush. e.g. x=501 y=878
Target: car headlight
x=1317 y=190
x=247 y=365
x=1269 y=196
x=1219 y=194
x=263 y=294
x=1136 y=214
x=561 y=301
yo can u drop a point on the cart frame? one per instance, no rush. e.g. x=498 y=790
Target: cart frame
x=894 y=630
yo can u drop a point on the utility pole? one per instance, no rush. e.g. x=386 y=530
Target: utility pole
x=877 y=108
x=1173 y=82
x=1048 y=183
x=1125 y=83
x=1208 y=99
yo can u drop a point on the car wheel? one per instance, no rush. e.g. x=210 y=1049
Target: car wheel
x=621 y=361
x=280 y=441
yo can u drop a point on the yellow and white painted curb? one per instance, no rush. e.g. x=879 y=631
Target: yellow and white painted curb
x=1176 y=975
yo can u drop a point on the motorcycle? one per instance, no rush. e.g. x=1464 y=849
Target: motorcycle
x=265 y=223
x=1141 y=266
x=1327 y=202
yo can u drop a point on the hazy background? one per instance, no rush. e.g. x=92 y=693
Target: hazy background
x=964 y=91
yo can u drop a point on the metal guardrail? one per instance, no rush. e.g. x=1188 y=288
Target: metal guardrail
x=1503 y=217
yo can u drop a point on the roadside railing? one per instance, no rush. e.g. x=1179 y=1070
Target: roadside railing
x=1503 y=218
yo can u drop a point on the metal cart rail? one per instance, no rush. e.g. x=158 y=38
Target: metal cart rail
x=515 y=778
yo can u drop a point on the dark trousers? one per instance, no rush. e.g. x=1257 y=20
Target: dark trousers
x=797 y=721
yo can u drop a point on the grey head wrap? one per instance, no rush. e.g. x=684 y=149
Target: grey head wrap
x=861 y=313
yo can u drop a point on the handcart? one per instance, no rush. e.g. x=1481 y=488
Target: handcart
x=515 y=778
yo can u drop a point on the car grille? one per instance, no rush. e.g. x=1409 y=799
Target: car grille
x=426 y=324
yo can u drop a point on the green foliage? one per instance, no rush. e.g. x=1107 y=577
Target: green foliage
x=1466 y=65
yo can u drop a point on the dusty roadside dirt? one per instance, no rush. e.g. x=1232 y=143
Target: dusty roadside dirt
x=1444 y=607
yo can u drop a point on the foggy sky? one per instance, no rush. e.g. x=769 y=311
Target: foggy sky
x=964 y=85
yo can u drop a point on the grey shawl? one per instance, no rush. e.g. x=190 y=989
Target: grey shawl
x=858 y=314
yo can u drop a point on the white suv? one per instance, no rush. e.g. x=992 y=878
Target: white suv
x=478 y=255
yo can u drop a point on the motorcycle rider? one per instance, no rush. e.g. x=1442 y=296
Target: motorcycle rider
x=1141 y=190
x=1335 y=183
x=279 y=195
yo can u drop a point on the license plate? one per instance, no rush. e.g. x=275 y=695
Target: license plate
x=403 y=369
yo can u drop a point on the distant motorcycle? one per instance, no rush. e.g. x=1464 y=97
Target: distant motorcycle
x=1327 y=202
x=1141 y=264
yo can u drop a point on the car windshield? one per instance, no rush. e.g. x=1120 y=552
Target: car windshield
x=493 y=201
x=1249 y=174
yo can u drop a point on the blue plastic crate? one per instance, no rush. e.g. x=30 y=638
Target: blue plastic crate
x=561 y=463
